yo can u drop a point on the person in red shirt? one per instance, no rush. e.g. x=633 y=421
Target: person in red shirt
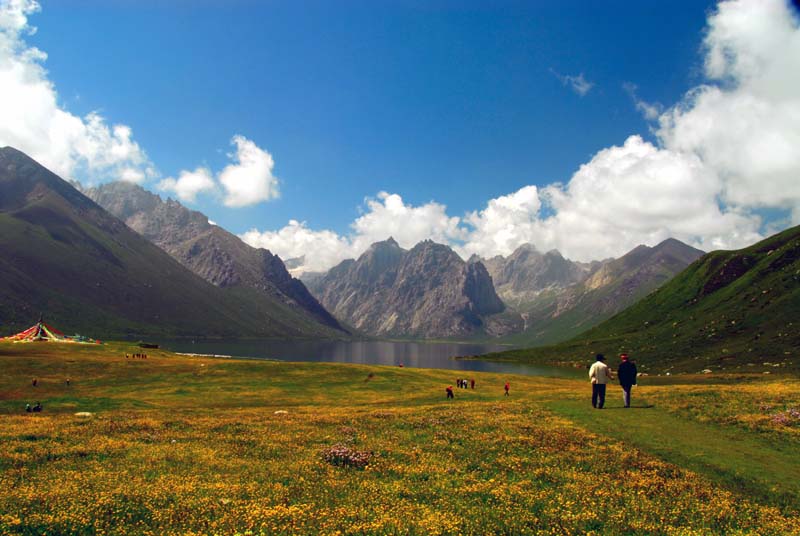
x=507 y=386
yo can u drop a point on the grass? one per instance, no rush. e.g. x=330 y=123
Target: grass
x=192 y=445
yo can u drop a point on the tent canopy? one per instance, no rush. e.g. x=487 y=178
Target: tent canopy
x=44 y=332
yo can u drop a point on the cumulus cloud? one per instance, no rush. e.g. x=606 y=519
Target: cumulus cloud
x=388 y=215
x=33 y=120
x=727 y=149
x=506 y=223
x=189 y=184
x=578 y=84
x=625 y=196
x=383 y=216
x=249 y=180
x=746 y=126
x=321 y=249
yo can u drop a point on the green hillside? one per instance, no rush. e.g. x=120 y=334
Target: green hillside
x=66 y=257
x=728 y=310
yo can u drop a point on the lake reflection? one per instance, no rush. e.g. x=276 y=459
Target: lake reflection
x=407 y=354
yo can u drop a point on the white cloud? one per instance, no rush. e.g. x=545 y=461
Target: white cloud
x=726 y=150
x=506 y=223
x=249 y=181
x=35 y=122
x=321 y=249
x=189 y=184
x=578 y=84
x=133 y=175
x=746 y=127
x=384 y=216
x=246 y=181
x=388 y=215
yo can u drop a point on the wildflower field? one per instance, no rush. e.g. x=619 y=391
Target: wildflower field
x=190 y=445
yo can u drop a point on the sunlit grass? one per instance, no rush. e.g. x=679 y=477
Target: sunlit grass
x=182 y=445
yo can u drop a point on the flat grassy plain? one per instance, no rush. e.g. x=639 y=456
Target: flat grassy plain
x=195 y=445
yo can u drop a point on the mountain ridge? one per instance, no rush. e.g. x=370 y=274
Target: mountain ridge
x=66 y=257
x=209 y=251
x=727 y=310
x=427 y=291
x=559 y=298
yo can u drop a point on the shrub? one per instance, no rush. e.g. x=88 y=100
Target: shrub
x=344 y=456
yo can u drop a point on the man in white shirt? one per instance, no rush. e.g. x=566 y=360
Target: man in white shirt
x=600 y=374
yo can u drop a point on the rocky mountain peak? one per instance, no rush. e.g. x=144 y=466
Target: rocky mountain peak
x=428 y=291
x=211 y=252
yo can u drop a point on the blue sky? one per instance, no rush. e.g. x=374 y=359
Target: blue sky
x=448 y=105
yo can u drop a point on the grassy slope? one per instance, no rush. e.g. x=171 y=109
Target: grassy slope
x=183 y=444
x=726 y=310
x=109 y=281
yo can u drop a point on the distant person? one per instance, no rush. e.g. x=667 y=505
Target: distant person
x=67 y=382
x=626 y=373
x=599 y=373
x=449 y=391
x=28 y=408
x=34 y=382
x=37 y=408
x=472 y=383
x=507 y=388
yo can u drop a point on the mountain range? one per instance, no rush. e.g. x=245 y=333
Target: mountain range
x=145 y=266
x=425 y=292
x=559 y=298
x=66 y=257
x=727 y=310
x=219 y=257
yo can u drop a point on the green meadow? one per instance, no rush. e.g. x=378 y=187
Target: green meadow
x=194 y=445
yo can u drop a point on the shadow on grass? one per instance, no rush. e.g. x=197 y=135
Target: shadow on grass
x=648 y=406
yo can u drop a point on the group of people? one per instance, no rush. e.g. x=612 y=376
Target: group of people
x=136 y=356
x=35 y=409
x=463 y=383
x=600 y=374
x=468 y=384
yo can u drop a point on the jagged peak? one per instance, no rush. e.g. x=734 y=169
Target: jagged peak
x=527 y=246
x=388 y=243
x=672 y=243
x=554 y=253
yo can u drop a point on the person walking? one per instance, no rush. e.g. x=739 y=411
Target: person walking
x=599 y=374
x=626 y=373
x=506 y=388
x=449 y=391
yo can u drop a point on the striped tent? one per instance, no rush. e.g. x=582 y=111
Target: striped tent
x=44 y=332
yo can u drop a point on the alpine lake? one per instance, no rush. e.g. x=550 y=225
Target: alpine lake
x=417 y=354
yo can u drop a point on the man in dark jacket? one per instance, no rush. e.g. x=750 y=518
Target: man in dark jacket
x=626 y=372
